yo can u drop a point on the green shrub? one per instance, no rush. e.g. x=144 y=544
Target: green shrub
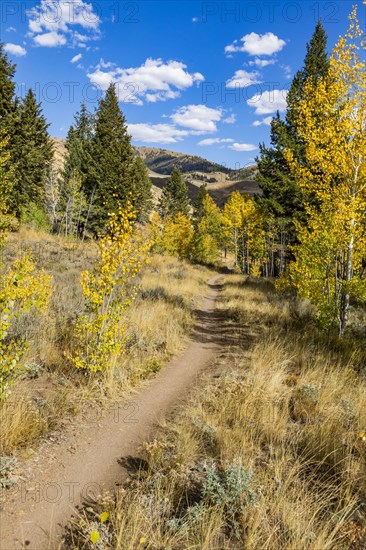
x=34 y=216
x=232 y=489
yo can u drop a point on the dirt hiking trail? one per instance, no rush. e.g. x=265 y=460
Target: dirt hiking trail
x=88 y=457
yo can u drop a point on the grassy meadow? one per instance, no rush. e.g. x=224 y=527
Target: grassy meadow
x=269 y=452
x=49 y=388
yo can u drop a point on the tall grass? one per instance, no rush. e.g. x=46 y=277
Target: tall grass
x=49 y=389
x=270 y=452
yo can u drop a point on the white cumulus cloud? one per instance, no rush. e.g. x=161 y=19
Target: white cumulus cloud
x=257 y=44
x=15 y=49
x=76 y=58
x=268 y=102
x=242 y=147
x=241 y=79
x=213 y=141
x=265 y=121
x=50 y=39
x=231 y=119
x=155 y=80
x=262 y=62
x=287 y=71
x=156 y=133
x=57 y=22
x=197 y=117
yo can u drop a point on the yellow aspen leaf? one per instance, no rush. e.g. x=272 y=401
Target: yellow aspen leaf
x=94 y=537
x=104 y=516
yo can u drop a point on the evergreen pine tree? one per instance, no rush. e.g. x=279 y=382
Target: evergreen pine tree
x=33 y=153
x=7 y=91
x=79 y=171
x=113 y=157
x=8 y=116
x=198 y=208
x=281 y=194
x=316 y=66
x=316 y=61
x=141 y=189
x=78 y=145
x=6 y=182
x=174 y=198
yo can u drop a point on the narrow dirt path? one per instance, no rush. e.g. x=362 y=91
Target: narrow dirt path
x=88 y=459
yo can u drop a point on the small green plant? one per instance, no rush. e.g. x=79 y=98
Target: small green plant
x=34 y=216
x=232 y=489
x=7 y=467
x=33 y=370
x=153 y=365
x=207 y=432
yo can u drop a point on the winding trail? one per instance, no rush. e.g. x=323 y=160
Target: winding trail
x=90 y=456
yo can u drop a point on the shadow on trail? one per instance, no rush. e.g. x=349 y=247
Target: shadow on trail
x=133 y=464
x=216 y=329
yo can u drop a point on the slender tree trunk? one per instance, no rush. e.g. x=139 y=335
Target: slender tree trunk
x=282 y=252
x=236 y=246
x=78 y=221
x=272 y=259
x=88 y=214
x=348 y=277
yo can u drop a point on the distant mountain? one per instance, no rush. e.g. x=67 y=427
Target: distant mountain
x=221 y=181
x=247 y=173
x=163 y=161
x=219 y=191
x=59 y=149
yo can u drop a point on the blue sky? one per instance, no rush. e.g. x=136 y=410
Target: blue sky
x=197 y=77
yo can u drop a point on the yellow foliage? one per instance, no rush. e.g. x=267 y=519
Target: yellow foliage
x=109 y=292
x=177 y=235
x=331 y=122
x=6 y=184
x=208 y=234
x=244 y=229
x=104 y=517
x=155 y=227
x=94 y=537
x=22 y=287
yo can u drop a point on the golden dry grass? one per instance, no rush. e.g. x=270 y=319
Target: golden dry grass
x=269 y=453
x=50 y=389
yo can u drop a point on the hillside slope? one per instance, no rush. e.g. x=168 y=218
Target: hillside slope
x=221 y=181
x=163 y=161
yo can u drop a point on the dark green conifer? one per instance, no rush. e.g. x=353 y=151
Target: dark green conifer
x=32 y=154
x=174 y=198
x=79 y=160
x=113 y=158
x=7 y=91
x=198 y=207
x=281 y=195
x=8 y=113
x=141 y=196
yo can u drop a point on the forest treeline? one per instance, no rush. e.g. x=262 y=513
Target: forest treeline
x=307 y=229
